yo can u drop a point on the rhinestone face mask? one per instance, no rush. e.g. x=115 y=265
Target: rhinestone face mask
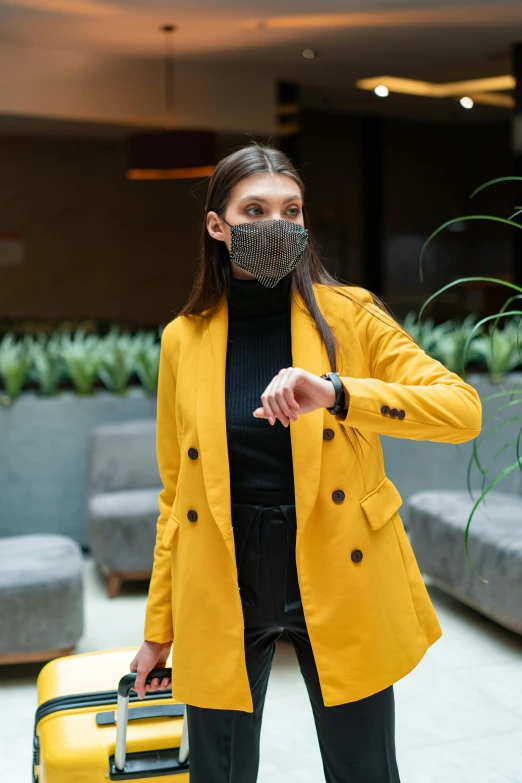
x=268 y=249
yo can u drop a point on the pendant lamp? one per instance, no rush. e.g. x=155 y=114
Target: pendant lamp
x=168 y=153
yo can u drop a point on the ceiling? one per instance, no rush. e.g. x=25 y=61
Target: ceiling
x=444 y=40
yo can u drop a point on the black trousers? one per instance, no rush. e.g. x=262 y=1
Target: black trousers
x=356 y=740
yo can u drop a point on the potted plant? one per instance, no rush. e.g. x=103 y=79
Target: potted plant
x=501 y=352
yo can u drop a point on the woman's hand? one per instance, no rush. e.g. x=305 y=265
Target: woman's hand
x=292 y=392
x=151 y=655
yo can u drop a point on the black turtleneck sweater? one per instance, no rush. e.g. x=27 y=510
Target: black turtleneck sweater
x=259 y=346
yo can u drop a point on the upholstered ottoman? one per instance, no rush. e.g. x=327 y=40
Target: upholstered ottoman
x=41 y=597
x=436 y=523
x=122 y=534
x=124 y=485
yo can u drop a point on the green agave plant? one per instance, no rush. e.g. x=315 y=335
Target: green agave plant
x=500 y=350
x=15 y=363
x=147 y=359
x=82 y=356
x=118 y=353
x=48 y=360
x=48 y=367
x=507 y=399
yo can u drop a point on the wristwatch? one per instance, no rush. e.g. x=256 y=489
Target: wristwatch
x=339 y=405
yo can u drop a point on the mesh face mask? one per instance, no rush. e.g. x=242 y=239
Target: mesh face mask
x=268 y=249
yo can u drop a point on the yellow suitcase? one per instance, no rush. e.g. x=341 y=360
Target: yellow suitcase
x=87 y=728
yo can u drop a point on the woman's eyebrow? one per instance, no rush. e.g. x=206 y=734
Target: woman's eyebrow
x=259 y=198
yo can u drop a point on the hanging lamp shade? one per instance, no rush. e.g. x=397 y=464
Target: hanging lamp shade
x=171 y=154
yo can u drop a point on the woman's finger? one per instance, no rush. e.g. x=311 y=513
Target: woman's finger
x=291 y=404
x=276 y=408
x=267 y=403
x=285 y=394
x=277 y=400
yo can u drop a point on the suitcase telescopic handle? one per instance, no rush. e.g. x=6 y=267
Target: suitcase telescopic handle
x=124 y=689
x=128 y=680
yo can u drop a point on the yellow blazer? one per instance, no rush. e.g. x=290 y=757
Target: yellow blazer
x=370 y=620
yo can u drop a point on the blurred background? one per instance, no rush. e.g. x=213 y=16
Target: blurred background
x=79 y=77
x=113 y=114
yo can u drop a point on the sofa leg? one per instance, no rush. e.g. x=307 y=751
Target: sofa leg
x=114 y=584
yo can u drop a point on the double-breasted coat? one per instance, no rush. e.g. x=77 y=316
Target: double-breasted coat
x=368 y=613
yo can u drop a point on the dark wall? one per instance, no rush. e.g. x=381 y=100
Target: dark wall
x=330 y=164
x=96 y=245
x=99 y=246
x=428 y=172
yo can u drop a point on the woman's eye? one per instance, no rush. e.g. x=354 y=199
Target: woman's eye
x=255 y=211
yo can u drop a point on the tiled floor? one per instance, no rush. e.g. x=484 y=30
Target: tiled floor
x=459 y=713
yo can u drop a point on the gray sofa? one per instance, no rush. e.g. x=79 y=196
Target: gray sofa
x=124 y=484
x=437 y=521
x=41 y=597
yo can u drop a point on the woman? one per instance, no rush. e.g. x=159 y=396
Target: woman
x=276 y=512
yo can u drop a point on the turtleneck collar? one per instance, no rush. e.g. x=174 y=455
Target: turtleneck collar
x=248 y=298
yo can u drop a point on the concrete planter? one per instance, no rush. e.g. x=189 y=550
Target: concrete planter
x=425 y=465
x=44 y=450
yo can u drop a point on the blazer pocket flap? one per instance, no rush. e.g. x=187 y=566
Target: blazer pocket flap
x=171 y=528
x=381 y=503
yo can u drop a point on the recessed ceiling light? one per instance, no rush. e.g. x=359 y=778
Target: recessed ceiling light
x=309 y=54
x=382 y=91
x=488 y=91
x=466 y=103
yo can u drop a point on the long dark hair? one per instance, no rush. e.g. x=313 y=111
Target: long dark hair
x=214 y=270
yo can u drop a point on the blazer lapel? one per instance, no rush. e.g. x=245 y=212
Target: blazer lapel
x=306 y=433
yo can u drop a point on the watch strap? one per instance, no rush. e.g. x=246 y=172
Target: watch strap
x=339 y=405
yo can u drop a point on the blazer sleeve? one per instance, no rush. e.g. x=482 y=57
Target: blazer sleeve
x=437 y=404
x=158 y=614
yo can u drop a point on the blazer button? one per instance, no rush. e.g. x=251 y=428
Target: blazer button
x=192 y=515
x=356 y=555
x=338 y=496
x=328 y=434
x=394 y=413
x=401 y=414
x=193 y=453
x=385 y=409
